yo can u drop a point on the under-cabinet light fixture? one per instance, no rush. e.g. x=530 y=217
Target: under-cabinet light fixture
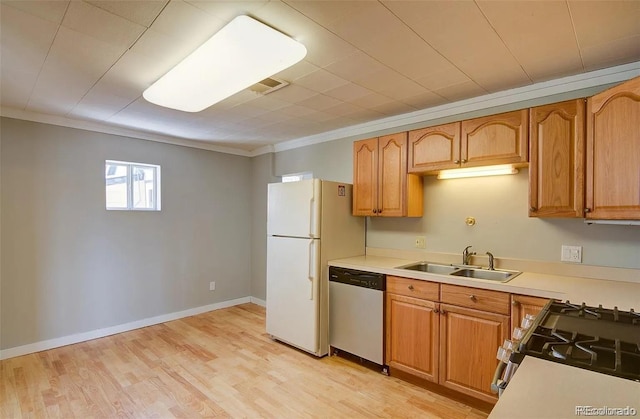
x=239 y=55
x=501 y=169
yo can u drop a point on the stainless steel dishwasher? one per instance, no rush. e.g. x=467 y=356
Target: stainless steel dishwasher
x=356 y=313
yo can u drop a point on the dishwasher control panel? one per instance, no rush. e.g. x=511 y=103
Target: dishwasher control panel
x=357 y=278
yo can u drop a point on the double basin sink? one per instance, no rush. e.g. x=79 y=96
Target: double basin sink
x=498 y=275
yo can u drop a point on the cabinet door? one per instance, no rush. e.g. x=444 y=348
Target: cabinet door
x=521 y=305
x=556 y=169
x=434 y=148
x=392 y=174
x=412 y=329
x=495 y=139
x=365 y=176
x=613 y=153
x=469 y=341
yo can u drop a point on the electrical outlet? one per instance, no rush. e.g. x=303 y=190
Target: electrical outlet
x=212 y=286
x=421 y=242
x=571 y=254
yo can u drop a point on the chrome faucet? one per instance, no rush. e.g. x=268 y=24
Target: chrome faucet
x=490 y=261
x=466 y=255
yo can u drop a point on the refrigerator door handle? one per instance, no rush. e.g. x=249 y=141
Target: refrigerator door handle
x=312 y=264
x=314 y=219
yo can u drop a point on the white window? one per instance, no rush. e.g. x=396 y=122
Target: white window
x=132 y=186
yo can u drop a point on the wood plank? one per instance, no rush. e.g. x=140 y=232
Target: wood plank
x=217 y=364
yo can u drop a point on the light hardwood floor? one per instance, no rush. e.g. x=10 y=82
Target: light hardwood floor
x=220 y=363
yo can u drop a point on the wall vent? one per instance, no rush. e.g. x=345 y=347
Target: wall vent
x=268 y=85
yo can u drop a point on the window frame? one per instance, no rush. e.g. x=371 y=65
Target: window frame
x=130 y=166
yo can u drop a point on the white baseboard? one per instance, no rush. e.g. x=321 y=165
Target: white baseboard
x=107 y=331
x=258 y=301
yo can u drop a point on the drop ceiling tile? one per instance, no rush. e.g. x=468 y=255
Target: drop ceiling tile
x=357 y=63
x=377 y=80
x=344 y=109
x=187 y=23
x=321 y=81
x=600 y=22
x=469 y=42
x=26 y=40
x=619 y=51
x=320 y=102
x=296 y=71
x=371 y=100
x=393 y=108
x=74 y=64
x=348 y=92
x=401 y=89
x=293 y=93
x=297 y=111
x=460 y=91
x=89 y=20
x=52 y=11
x=424 y=100
x=269 y=103
x=326 y=12
x=538 y=33
x=228 y=10
x=442 y=78
x=368 y=27
x=140 y=12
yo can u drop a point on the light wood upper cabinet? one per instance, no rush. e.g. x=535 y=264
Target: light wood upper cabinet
x=382 y=186
x=613 y=153
x=495 y=139
x=556 y=160
x=469 y=341
x=434 y=148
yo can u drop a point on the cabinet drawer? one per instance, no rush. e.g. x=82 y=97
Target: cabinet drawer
x=413 y=288
x=485 y=300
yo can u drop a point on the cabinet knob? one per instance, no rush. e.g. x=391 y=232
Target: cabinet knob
x=456 y=161
x=375 y=211
x=411 y=287
x=473 y=298
x=533 y=209
x=514 y=303
x=443 y=312
x=379 y=211
x=587 y=210
x=435 y=310
x=464 y=161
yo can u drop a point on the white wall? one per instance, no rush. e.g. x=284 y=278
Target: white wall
x=69 y=266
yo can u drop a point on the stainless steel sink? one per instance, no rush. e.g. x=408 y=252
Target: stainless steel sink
x=434 y=268
x=499 y=275
x=495 y=275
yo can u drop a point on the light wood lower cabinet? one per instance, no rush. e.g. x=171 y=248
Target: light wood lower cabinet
x=469 y=341
x=521 y=305
x=452 y=345
x=412 y=332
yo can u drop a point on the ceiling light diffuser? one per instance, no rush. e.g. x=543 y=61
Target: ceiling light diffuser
x=501 y=169
x=241 y=54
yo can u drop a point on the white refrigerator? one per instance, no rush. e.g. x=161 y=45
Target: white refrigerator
x=308 y=223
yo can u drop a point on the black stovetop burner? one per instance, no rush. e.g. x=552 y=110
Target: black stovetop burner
x=594 y=338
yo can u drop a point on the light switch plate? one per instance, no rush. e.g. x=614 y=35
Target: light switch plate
x=421 y=242
x=571 y=254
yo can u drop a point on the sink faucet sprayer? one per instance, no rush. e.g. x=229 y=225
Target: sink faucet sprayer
x=466 y=255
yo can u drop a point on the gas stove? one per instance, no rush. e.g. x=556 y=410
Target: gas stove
x=595 y=338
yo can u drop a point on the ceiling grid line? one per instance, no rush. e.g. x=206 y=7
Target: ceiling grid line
x=53 y=40
x=116 y=62
x=575 y=34
x=503 y=42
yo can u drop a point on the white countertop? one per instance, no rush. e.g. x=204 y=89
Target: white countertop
x=543 y=389
x=624 y=295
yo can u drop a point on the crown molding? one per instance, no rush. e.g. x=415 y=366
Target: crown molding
x=506 y=97
x=114 y=130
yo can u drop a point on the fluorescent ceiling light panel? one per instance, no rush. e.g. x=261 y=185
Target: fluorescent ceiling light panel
x=501 y=169
x=239 y=55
